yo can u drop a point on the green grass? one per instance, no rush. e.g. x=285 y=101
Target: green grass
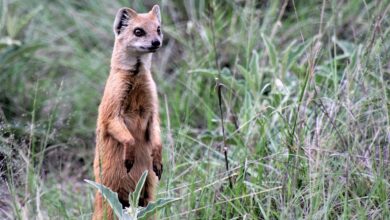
x=305 y=103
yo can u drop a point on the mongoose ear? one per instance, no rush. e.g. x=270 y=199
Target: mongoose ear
x=156 y=12
x=122 y=19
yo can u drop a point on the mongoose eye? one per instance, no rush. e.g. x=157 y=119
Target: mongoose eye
x=139 y=32
x=158 y=30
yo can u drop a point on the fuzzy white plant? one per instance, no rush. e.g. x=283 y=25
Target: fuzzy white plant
x=133 y=212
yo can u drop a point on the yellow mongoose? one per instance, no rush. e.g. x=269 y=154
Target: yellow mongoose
x=128 y=131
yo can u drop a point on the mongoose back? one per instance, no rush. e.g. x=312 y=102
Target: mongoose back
x=128 y=131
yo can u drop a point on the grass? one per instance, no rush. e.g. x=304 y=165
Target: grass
x=304 y=97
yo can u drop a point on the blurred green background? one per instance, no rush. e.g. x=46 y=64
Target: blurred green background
x=305 y=102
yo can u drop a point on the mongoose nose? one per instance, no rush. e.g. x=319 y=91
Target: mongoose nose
x=156 y=43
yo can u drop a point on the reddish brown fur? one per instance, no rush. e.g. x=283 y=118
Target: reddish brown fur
x=128 y=124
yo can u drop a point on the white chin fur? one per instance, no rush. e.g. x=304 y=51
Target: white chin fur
x=140 y=48
x=133 y=49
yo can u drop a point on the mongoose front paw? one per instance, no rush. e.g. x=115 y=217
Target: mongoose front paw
x=129 y=142
x=158 y=169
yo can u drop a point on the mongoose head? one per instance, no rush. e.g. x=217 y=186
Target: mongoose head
x=138 y=33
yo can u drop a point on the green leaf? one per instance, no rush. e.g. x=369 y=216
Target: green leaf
x=354 y=59
x=205 y=72
x=225 y=72
x=4 y=12
x=254 y=63
x=15 y=24
x=155 y=206
x=347 y=47
x=247 y=76
x=110 y=196
x=138 y=188
x=243 y=71
x=255 y=72
x=12 y=53
x=293 y=53
x=271 y=50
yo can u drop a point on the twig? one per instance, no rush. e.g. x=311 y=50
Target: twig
x=277 y=23
x=225 y=149
x=326 y=113
x=219 y=88
x=322 y=18
x=169 y=135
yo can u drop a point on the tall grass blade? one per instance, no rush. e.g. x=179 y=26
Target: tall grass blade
x=137 y=192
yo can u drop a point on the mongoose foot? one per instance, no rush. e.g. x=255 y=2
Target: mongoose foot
x=128 y=157
x=129 y=164
x=158 y=169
